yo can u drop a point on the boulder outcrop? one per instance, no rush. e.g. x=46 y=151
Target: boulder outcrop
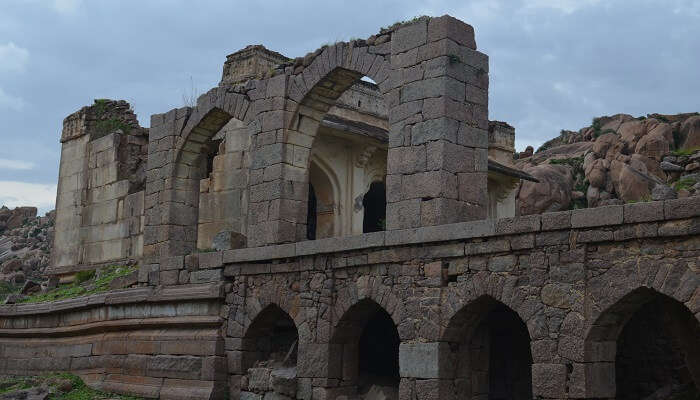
x=618 y=159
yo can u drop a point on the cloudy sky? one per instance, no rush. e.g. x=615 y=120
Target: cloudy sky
x=555 y=64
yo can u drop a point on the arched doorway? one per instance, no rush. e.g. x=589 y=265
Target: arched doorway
x=374 y=204
x=653 y=341
x=369 y=349
x=322 y=215
x=491 y=348
x=269 y=361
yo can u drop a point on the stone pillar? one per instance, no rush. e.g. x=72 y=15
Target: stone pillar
x=426 y=371
x=438 y=112
x=171 y=191
x=72 y=187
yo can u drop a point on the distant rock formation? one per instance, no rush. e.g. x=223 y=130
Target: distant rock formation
x=617 y=159
x=25 y=249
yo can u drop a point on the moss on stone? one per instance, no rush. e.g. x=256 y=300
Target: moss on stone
x=53 y=382
x=85 y=284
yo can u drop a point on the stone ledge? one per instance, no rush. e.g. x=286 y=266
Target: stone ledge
x=545 y=225
x=114 y=325
x=126 y=296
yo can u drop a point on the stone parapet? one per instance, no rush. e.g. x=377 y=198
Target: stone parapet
x=611 y=219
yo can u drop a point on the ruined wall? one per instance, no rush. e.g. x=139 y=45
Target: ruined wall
x=156 y=344
x=100 y=199
x=573 y=279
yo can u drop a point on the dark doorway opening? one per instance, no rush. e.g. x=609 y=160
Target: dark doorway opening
x=311 y=214
x=656 y=351
x=510 y=360
x=374 y=203
x=379 y=350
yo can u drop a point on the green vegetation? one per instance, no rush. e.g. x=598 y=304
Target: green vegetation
x=86 y=283
x=597 y=126
x=106 y=126
x=454 y=59
x=404 y=22
x=644 y=199
x=55 y=381
x=100 y=106
x=685 y=152
x=684 y=184
x=677 y=139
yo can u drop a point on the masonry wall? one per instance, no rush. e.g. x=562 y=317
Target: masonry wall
x=156 y=344
x=573 y=278
x=100 y=197
x=564 y=274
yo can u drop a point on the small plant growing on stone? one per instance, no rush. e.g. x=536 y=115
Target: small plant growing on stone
x=454 y=59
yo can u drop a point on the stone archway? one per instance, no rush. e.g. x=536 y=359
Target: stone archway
x=490 y=352
x=269 y=355
x=643 y=345
x=178 y=140
x=366 y=342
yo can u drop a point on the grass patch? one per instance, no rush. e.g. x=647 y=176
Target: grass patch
x=79 y=391
x=107 y=126
x=685 y=152
x=85 y=284
x=644 y=199
x=684 y=183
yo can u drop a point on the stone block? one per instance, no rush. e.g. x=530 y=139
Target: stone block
x=406 y=160
x=444 y=155
x=424 y=360
x=434 y=129
x=682 y=208
x=524 y=224
x=448 y=27
x=284 y=381
x=598 y=216
x=182 y=367
x=549 y=380
x=409 y=37
x=208 y=260
x=204 y=276
x=556 y=220
x=643 y=212
x=403 y=214
x=259 y=379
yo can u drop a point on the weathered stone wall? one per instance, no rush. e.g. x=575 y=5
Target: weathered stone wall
x=434 y=84
x=100 y=199
x=563 y=274
x=158 y=344
x=571 y=278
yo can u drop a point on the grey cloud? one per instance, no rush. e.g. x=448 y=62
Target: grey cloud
x=551 y=68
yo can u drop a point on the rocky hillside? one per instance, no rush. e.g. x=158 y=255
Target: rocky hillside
x=25 y=248
x=616 y=160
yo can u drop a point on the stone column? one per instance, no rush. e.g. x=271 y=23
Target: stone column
x=425 y=370
x=171 y=191
x=438 y=112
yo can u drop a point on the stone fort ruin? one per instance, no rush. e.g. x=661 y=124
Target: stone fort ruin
x=302 y=233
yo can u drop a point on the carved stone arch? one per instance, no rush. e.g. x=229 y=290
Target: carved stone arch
x=365 y=342
x=490 y=346
x=672 y=322
x=319 y=165
x=372 y=289
x=270 y=335
x=486 y=285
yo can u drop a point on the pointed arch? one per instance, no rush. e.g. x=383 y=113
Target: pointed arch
x=490 y=346
x=644 y=336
